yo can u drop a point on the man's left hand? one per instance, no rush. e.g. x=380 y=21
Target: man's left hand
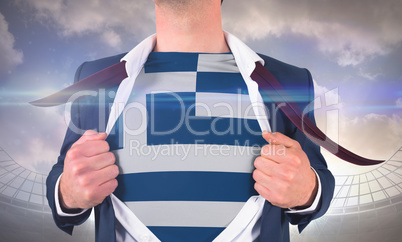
x=283 y=174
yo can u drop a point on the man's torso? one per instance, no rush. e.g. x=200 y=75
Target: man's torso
x=185 y=145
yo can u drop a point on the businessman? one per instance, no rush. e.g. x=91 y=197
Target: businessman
x=185 y=148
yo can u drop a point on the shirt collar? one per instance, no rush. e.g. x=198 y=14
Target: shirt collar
x=245 y=59
x=244 y=56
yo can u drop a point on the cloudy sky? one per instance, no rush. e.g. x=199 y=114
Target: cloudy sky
x=352 y=48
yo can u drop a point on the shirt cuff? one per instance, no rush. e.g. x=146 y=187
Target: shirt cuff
x=313 y=206
x=57 y=202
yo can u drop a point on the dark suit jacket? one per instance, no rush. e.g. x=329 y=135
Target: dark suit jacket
x=274 y=221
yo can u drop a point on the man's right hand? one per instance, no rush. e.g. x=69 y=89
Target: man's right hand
x=89 y=172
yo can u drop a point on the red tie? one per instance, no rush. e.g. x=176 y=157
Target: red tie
x=268 y=83
x=108 y=77
x=113 y=75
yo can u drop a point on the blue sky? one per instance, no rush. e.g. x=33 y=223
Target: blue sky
x=352 y=48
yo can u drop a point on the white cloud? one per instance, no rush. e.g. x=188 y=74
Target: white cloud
x=32 y=135
x=351 y=31
x=373 y=136
x=368 y=74
x=326 y=98
x=9 y=57
x=399 y=102
x=108 y=19
x=112 y=38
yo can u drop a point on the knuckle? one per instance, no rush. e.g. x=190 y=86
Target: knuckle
x=83 y=182
x=90 y=132
x=296 y=161
x=75 y=169
x=72 y=154
x=265 y=150
x=289 y=176
x=105 y=145
x=115 y=171
x=108 y=157
x=114 y=184
x=256 y=187
x=256 y=175
x=258 y=162
x=88 y=195
x=263 y=192
x=297 y=144
x=82 y=139
x=112 y=158
x=110 y=187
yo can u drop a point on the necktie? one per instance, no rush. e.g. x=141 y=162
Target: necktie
x=108 y=77
x=105 y=221
x=267 y=83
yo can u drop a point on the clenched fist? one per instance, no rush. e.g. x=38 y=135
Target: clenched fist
x=283 y=174
x=89 y=172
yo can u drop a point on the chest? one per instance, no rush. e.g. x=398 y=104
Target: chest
x=185 y=145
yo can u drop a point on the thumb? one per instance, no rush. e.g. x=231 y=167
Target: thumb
x=267 y=136
x=90 y=135
x=277 y=138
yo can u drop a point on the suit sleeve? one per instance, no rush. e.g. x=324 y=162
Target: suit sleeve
x=319 y=164
x=65 y=223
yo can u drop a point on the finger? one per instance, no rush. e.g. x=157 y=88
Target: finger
x=270 y=195
x=274 y=152
x=262 y=178
x=282 y=155
x=280 y=139
x=271 y=184
x=90 y=135
x=267 y=166
x=106 y=174
x=99 y=193
x=106 y=188
x=275 y=171
x=100 y=161
x=93 y=147
x=263 y=191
